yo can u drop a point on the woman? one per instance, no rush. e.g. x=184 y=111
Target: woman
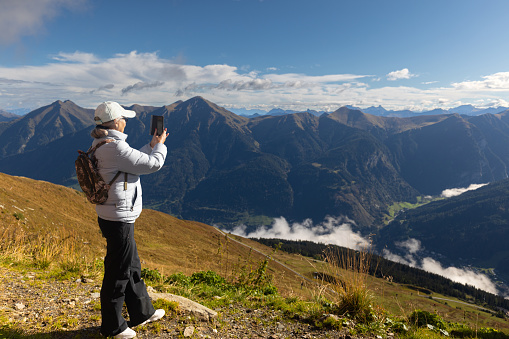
x=122 y=269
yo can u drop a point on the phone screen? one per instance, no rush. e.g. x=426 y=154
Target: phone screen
x=160 y=126
x=157 y=125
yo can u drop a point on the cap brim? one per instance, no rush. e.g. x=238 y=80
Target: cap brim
x=128 y=114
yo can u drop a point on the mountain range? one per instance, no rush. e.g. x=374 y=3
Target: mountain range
x=374 y=110
x=378 y=110
x=227 y=169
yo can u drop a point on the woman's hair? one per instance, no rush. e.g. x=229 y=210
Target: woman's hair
x=101 y=131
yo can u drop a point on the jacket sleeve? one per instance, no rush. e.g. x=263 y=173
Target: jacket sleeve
x=146 y=149
x=137 y=162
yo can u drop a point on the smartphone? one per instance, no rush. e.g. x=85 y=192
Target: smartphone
x=157 y=125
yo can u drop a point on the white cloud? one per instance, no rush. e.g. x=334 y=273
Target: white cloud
x=103 y=88
x=292 y=77
x=141 y=85
x=411 y=249
x=408 y=259
x=28 y=17
x=82 y=77
x=401 y=74
x=254 y=84
x=411 y=245
x=463 y=276
x=78 y=57
x=497 y=81
x=336 y=231
x=452 y=192
x=496 y=102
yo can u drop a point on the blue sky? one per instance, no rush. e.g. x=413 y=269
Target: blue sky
x=291 y=54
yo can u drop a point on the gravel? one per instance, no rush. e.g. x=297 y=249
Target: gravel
x=30 y=305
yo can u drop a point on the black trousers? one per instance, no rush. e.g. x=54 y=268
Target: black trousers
x=122 y=280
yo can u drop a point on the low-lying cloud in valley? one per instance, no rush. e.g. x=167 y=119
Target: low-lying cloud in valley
x=335 y=231
x=412 y=247
x=338 y=231
x=452 y=192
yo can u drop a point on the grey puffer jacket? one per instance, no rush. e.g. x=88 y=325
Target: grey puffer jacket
x=125 y=205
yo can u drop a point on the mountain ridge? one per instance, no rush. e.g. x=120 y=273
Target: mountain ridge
x=476 y=233
x=42 y=126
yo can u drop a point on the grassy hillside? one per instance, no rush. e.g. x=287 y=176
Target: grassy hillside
x=40 y=211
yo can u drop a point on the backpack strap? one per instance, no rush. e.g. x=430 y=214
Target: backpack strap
x=115 y=178
x=93 y=149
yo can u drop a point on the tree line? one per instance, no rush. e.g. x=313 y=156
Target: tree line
x=396 y=272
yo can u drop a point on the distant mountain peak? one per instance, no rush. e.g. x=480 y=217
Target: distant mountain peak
x=60 y=103
x=42 y=126
x=198 y=100
x=7 y=116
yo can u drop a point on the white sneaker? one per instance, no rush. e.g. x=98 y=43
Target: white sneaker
x=126 y=334
x=158 y=314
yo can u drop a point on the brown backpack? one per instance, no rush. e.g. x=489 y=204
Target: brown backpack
x=91 y=182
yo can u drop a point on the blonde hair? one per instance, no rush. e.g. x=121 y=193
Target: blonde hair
x=101 y=131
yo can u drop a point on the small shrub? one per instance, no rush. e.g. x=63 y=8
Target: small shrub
x=179 y=279
x=207 y=277
x=256 y=278
x=491 y=333
x=151 y=275
x=423 y=318
x=482 y=333
x=422 y=333
x=396 y=326
x=332 y=322
x=269 y=290
x=19 y=216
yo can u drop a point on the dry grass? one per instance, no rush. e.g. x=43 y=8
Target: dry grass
x=60 y=251
x=348 y=278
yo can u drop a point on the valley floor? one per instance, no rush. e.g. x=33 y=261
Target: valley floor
x=31 y=307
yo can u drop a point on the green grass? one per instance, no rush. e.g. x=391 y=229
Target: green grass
x=394 y=209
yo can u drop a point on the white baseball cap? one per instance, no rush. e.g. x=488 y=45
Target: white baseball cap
x=110 y=110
